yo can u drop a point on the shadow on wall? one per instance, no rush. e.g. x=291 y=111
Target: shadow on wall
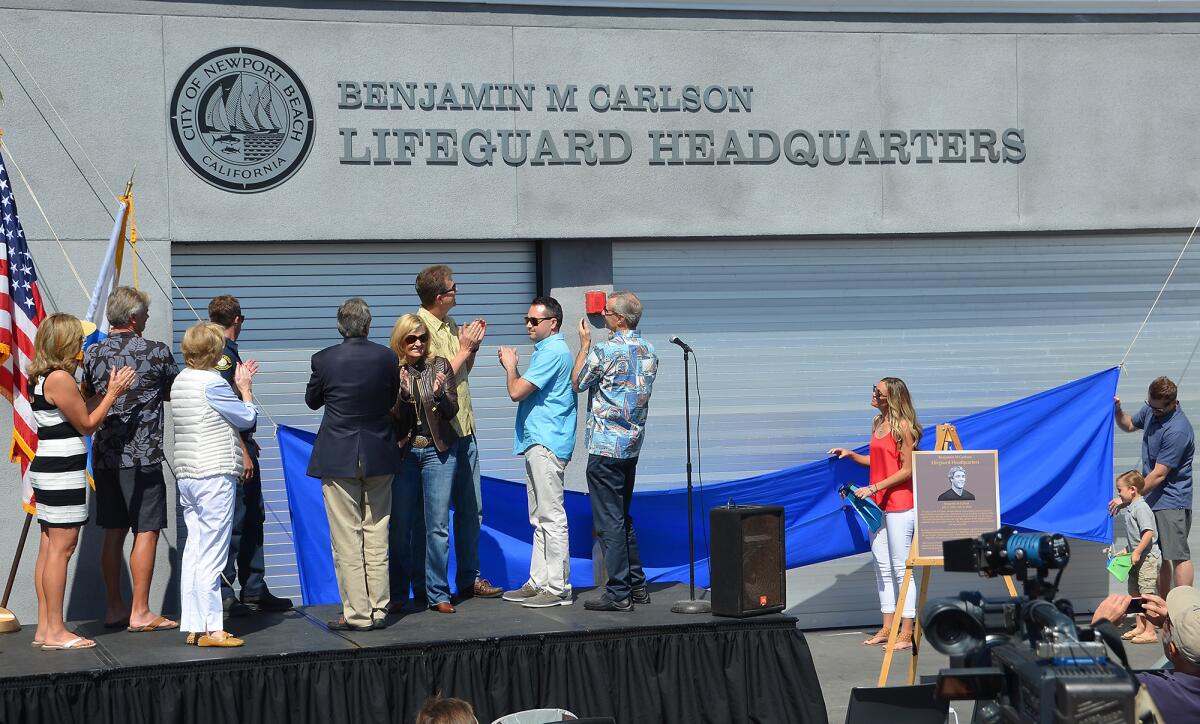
x=87 y=597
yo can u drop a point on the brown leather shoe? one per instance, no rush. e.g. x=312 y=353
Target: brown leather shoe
x=443 y=607
x=216 y=640
x=484 y=589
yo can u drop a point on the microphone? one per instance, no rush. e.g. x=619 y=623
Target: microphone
x=681 y=343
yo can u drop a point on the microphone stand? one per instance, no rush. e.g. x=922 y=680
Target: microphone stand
x=691 y=605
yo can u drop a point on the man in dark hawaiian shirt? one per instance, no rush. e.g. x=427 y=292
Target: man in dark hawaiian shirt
x=127 y=456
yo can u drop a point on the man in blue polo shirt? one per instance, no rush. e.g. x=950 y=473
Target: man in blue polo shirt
x=545 y=436
x=1168 y=444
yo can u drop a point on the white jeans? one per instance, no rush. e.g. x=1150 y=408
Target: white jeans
x=208 y=513
x=890 y=545
x=550 y=565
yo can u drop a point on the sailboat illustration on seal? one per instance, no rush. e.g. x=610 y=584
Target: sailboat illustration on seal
x=245 y=112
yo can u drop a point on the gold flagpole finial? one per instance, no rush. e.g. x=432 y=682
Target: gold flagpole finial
x=129 y=185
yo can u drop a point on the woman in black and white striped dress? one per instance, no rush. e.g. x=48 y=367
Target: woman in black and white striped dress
x=58 y=471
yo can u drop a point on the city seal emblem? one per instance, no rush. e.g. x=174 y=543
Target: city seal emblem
x=242 y=120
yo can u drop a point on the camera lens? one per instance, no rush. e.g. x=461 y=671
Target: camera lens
x=953 y=626
x=1040 y=550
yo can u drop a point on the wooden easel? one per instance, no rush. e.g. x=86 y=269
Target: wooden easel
x=946 y=434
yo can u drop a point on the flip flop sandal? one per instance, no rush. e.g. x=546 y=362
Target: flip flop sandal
x=37 y=644
x=72 y=645
x=878 y=638
x=1143 y=640
x=155 y=625
x=1130 y=634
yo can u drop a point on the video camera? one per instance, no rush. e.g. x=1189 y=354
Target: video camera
x=1063 y=674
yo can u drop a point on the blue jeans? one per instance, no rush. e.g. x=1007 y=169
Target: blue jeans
x=610 y=487
x=468 y=513
x=420 y=525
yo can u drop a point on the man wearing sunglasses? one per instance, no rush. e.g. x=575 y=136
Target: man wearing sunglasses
x=438 y=293
x=545 y=436
x=620 y=374
x=1168 y=444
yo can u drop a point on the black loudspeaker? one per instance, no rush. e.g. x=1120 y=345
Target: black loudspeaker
x=746 y=561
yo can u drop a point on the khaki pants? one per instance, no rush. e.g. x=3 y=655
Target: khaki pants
x=359 y=510
x=550 y=564
x=1143 y=578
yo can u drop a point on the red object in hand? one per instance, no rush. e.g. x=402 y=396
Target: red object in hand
x=593 y=302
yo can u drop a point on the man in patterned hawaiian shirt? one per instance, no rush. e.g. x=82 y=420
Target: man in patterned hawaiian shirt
x=619 y=374
x=127 y=456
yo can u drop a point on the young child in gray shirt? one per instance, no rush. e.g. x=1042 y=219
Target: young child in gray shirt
x=1141 y=536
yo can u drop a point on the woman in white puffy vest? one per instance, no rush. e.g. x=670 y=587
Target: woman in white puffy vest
x=208 y=462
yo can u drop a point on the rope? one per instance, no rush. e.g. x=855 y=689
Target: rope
x=4 y=146
x=1188 y=365
x=1160 y=293
x=55 y=110
x=103 y=204
x=175 y=286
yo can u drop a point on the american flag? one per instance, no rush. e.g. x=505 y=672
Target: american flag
x=20 y=314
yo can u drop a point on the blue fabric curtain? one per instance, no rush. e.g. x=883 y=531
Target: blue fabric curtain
x=1056 y=475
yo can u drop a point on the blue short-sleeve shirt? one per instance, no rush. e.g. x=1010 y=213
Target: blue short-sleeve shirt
x=1171 y=441
x=547 y=416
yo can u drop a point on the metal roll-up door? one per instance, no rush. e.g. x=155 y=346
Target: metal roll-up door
x=290 y=293
x=791 y=335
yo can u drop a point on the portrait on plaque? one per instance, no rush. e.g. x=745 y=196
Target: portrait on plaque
x=956 y=494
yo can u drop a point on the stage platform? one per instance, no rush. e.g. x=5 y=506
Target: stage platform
x=649 y=666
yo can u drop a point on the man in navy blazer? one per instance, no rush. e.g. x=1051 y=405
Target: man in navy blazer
x=355 y=456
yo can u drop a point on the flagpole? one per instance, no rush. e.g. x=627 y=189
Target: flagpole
x=8 y=620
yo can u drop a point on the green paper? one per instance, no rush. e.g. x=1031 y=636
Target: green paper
x=1120 y=565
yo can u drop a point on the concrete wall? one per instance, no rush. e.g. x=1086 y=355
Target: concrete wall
x=1104 y=108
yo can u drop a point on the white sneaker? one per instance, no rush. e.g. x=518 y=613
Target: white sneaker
x=545 y=599
x=524 y=593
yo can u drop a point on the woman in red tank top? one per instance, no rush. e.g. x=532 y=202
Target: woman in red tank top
x=895 y=433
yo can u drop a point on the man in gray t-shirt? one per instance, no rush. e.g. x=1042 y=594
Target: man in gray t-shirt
x=1168 y=445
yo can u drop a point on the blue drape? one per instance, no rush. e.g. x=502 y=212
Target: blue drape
x=1056 y=474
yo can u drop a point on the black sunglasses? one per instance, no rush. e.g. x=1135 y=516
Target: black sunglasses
x=416 y=338
x=535 y=321
x=452 y=290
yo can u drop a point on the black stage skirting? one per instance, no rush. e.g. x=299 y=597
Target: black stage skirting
x=649 y=666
